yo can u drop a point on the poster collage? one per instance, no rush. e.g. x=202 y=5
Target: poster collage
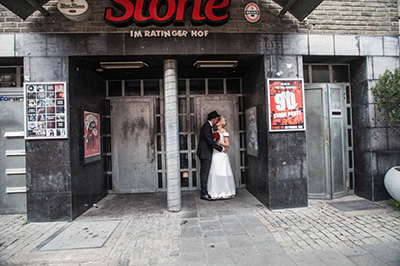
x=45 y=110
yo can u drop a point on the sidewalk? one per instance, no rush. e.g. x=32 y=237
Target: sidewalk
x=138 y=230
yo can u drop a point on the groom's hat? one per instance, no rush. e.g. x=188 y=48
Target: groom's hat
x=212 y=115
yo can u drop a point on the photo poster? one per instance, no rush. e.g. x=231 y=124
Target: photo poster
x=286 y=105
x=252 y=131
x=45 y=110
x=91 y=134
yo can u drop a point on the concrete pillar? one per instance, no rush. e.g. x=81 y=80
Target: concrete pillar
x=172 y=135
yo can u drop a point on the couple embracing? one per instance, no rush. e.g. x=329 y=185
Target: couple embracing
x=216 y=176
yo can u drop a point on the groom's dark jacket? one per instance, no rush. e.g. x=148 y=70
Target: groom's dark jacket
x=206 y=143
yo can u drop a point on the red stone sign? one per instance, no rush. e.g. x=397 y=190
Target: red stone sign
x=213 y=12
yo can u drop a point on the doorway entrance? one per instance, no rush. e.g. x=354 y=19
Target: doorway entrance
x=326 y=146
x=134 y=137
x=329 y=131
x=132 y=143
x=226 y=106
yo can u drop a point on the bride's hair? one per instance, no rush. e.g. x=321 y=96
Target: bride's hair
x=224 y=121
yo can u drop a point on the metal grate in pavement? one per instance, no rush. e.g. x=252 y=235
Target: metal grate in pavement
x=81 y=235
x=356 y=205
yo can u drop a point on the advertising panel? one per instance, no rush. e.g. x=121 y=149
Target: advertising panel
x=92 y=134
x=286 y=105
x=45 y=110
x=252 y=131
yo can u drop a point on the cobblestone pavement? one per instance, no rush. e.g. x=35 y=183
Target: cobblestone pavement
x=240 y=231
x=321 y=226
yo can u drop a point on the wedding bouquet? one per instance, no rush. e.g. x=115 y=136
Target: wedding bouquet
x=215 y=136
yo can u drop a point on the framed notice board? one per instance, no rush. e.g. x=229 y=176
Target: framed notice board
x=92 y=138
x=46 y=115
x=286 y=105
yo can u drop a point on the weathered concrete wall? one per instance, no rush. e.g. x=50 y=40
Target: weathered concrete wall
x=59 y=186
x=257 y=179
x=48 y=165
x=376 y=145
x=86 y=93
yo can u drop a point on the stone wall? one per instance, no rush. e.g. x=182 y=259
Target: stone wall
x=363 y=17
x=48 y=165
x=376 y=145
x=86 y=93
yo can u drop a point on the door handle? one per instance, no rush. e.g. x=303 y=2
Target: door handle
x=150 y=152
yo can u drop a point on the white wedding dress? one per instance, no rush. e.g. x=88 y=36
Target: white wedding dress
x=221 y=183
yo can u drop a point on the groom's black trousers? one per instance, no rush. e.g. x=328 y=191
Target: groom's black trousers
x=205 y=165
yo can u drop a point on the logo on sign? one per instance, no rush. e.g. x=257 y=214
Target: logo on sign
x=11 y=99
x=252 y=12
x=164 y=12
x=75 y=7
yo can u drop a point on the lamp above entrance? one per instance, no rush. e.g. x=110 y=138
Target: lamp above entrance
x=216 y=63
x=123 y=65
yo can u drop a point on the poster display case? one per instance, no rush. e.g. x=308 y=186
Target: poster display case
x=286 y=105
x=45 y=110
x=92 y=137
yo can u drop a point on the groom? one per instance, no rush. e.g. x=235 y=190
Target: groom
x=205 y=150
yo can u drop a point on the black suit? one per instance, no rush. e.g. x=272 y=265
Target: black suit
x=204 y=152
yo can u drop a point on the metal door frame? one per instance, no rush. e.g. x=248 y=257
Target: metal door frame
x=327 y=112
x=333 y=114
x=235 y=164
x=150 y=146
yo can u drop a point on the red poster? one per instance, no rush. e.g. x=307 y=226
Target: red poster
x=286 y=104
x=92 y=134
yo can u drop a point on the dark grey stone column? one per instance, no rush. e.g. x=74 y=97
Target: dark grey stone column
x=287 y=158
x=278 y=176
x=59 y=185
x=376 y=145
x=48 y=169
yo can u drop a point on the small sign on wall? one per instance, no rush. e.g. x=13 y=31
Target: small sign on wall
x=286 y=105
x=45 y=110
x=252 y=12
x=75 y=10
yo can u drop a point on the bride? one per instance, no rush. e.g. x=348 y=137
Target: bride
x=221 y=183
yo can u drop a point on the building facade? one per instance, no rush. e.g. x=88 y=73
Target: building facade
x=147 y=86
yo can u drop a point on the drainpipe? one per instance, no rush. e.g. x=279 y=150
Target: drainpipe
x=172 y=135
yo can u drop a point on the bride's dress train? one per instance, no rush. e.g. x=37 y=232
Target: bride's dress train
x=221 y=183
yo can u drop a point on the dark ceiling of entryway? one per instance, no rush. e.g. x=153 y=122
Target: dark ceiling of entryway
x=155 y=66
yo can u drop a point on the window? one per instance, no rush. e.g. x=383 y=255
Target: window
x=11 y=76
x=326 y=73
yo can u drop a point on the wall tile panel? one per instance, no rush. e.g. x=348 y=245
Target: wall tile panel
x=371 y=45
x=321 y=45
x=7 y=44
x=347 y=45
